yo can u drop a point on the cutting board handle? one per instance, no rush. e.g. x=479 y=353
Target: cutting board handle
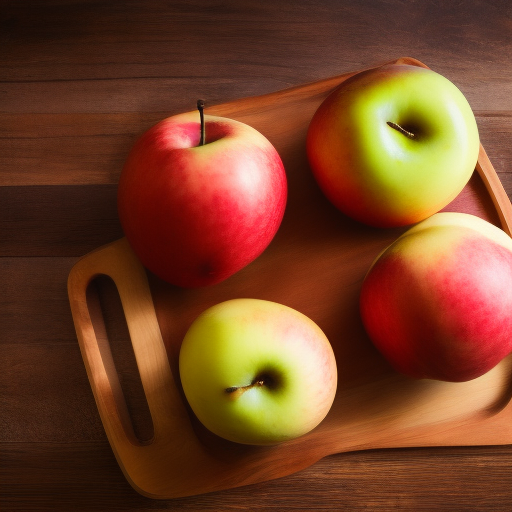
x=118 y=262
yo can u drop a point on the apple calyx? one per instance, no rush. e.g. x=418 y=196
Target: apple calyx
x=402 y=130
x=200 y=107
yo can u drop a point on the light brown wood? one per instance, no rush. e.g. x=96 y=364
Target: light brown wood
x=496 y=190
x=315 y=264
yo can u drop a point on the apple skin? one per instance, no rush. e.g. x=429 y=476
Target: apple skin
x=437 y=302
x=237 y=342
x=195 y=215
x=373 y=172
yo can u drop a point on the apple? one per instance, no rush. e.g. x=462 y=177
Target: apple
x=393 y=145
x=200 y=197
x=257 y=372
x=437 y=303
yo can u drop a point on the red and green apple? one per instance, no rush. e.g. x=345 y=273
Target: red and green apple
x=198 y=201
x=393 y=145
x=437 y=302
x=257 y=372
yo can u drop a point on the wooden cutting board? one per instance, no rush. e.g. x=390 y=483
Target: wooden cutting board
x=315 y=264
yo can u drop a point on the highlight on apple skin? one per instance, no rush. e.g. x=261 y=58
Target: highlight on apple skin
x=196 y=214
x=257 y=372
x=393 y=145
x=437 y=303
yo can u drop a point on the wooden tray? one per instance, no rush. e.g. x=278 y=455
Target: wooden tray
x=315 y=264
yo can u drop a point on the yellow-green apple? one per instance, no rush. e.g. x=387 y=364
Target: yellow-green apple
x=194 y=213
x=437 y=302
x=257 y=372
x=393 y=145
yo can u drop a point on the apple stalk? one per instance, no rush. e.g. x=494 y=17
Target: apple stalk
x=200 y=107
x=401 y=129
x=235 y=392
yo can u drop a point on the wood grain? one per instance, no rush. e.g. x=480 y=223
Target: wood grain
x=74 y=223
x=88 y=56
x=85 y=476
x=79 y=81
x=90 y=149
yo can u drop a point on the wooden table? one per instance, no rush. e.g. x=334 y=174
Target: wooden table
x=79 y=80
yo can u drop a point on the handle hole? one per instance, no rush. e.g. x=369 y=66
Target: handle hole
x=116 y=349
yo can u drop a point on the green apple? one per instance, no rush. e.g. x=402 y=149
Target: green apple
x=257 y=372
x=393 y=145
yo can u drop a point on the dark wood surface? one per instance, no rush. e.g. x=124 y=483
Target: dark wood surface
x=78 y=82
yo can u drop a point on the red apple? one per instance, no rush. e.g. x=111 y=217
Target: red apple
x=437 y=303
x=196 y=214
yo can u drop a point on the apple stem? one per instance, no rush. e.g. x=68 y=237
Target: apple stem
x=403 y=131
x=200 y=107
x=237 y=391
